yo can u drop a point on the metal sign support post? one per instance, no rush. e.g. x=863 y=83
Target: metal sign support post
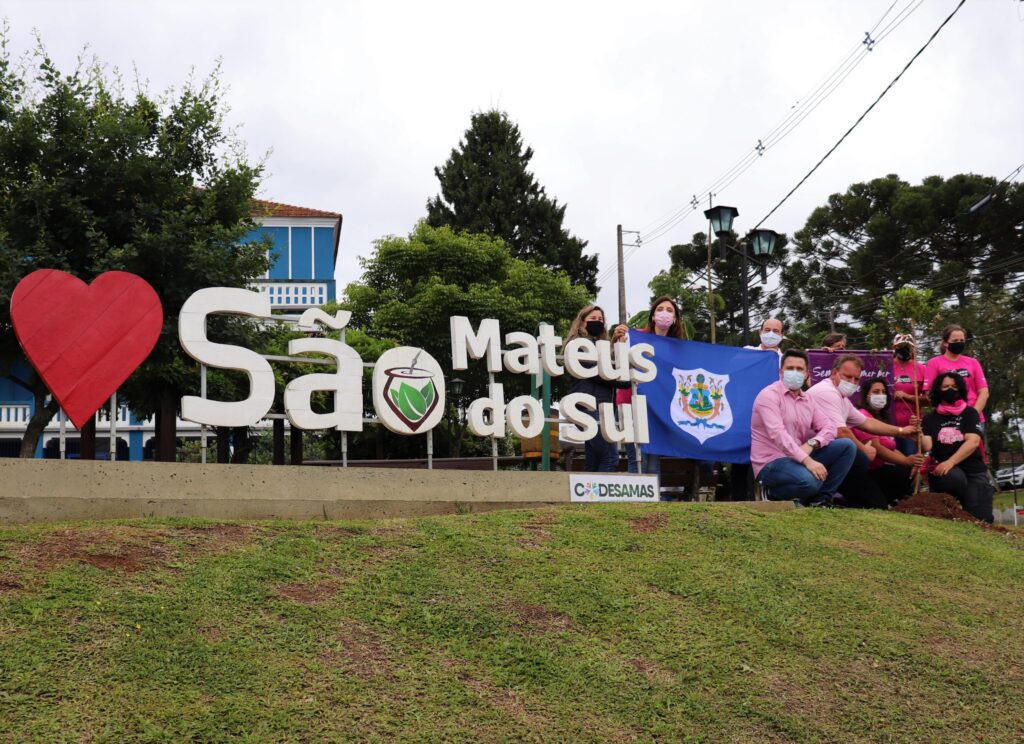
x=494 y=439
x=545 y=447
x=63 y=434
x=113 y=426
x=202 y=428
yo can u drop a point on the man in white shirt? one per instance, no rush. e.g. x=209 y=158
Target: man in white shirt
x=771 y=336
x=741 y=476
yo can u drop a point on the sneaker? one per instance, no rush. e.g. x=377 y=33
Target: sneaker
x=824 y=502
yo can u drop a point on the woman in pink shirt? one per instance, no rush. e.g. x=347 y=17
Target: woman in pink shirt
x=663 y=319
x=908 y=376
x=953 y=359
x=891 y=470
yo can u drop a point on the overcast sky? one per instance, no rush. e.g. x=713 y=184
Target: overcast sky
x=630 y=108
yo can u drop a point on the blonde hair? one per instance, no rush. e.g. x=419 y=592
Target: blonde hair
x=579 y=325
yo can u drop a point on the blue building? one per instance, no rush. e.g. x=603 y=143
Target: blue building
x=303 y=254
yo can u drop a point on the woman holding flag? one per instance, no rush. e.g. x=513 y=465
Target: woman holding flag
x=663 y=319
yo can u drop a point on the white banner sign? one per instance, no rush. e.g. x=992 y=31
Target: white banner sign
x=612 y=487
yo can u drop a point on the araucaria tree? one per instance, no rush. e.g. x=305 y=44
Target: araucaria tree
x=487 y=187
x=93 y=179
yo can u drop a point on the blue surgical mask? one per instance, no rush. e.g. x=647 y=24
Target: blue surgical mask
x=793 y=379
x=771 y=339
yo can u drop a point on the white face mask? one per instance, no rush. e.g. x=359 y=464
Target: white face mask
x=770 y=339
x=878 y=401
x=793 y=379
x=847 y=388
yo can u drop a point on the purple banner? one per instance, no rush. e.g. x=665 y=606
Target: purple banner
x=876 y=364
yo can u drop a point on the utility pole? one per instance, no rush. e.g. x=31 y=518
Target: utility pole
x=619 y=232
x=622 y=276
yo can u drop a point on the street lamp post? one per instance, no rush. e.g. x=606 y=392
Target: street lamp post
x=761 y=243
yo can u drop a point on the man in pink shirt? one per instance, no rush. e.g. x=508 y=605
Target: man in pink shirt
x=793 y=448
x=831 y=397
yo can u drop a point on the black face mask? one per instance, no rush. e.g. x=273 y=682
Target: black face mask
x=949 y=396
x=903 y=354
x=595 y=328
x=957 y=347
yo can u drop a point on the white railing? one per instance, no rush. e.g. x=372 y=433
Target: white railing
x=294 y=294
x=14 y=415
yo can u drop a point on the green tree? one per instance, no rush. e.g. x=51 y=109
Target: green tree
x=487 y=187
x=93 y=179
x=907 y=310
x=882 y=235
x=412 y=285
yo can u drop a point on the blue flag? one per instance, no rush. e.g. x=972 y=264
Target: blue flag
x=700 y=403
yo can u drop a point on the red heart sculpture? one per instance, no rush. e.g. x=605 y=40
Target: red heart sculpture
x=85 y=339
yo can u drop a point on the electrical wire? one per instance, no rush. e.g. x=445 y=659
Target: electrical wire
x=807 y=104
x=804 y=106
x=862 y=116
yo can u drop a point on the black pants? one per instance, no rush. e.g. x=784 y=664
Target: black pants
x=893 y=481
x=859 y=489
x=741 y=482
x=972 y=490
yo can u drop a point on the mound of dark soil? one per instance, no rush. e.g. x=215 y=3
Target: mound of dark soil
x=941 y=505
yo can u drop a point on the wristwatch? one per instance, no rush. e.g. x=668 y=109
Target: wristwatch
x=814 y=443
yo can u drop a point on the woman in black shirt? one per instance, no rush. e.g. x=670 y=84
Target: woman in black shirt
x=952 y=433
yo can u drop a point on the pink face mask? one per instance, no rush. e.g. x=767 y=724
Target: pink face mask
x=663 y=319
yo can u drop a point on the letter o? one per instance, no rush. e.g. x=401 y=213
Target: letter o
x=514 y=415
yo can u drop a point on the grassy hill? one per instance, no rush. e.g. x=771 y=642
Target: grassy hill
x=604 y=623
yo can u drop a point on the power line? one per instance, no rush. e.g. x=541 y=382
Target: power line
x=862 y=116
x=812 y=99
x=804 y=106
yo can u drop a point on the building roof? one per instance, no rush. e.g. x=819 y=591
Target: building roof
x=262 y=208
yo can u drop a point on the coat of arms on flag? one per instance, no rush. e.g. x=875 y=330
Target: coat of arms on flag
x=700 y=406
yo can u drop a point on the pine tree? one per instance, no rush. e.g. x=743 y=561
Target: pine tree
x=486 y=187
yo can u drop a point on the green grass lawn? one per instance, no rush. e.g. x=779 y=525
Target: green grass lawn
x=600 y=623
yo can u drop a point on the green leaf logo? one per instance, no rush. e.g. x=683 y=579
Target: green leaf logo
x=412 y=402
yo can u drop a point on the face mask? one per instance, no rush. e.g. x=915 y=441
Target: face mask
x=595 y=328
x=847 y=389
x=903 y=354
x=949 y=396
x=770 y=339
x=663 y=319
x=793 y=379
x=957 y=347
x=878 y=401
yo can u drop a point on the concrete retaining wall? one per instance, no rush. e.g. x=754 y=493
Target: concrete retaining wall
x=54 y=490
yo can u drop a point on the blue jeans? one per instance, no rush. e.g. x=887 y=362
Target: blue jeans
x=600 y=456
x=906 y=446
x=651 y=462
x=788 y=479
